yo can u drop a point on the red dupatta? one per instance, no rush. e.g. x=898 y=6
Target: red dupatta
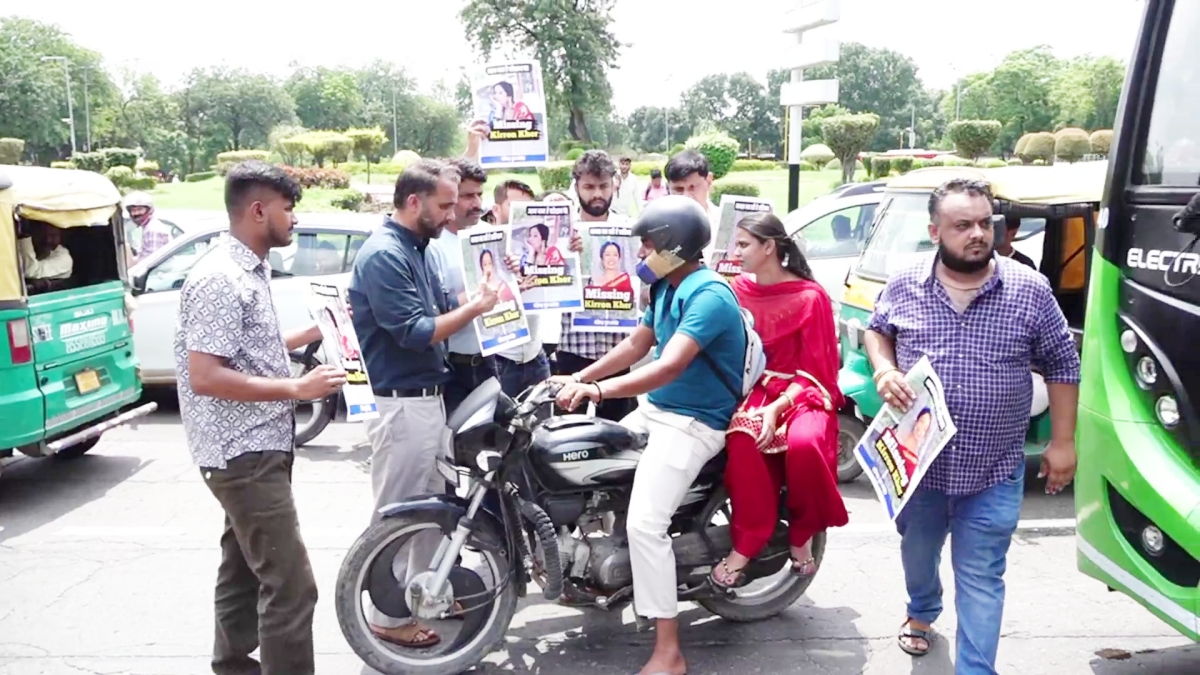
x=795 y=321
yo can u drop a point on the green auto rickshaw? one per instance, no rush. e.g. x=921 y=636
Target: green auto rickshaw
x=67 y=366
x=1057 y=206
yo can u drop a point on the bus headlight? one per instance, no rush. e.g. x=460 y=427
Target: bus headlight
x=1147 y=371
x=1167 y=411
x=1129 y=341
x=1153 y=541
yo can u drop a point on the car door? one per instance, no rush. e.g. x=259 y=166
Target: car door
x=158 y=305
x=834 y=240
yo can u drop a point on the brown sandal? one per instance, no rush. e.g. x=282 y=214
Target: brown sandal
x=419 y=639
x=732 y=577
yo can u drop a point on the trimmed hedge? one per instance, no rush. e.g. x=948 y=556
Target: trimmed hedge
x=144 y=166
x=755 y=165
x=719 y=148
x=228 y=160
x=121 y=176
x=1015 y=162
x=575 y=153
x=972 y=138
x=990 y=163
x=11 y=150
x=1039 y=146
x=903 y=164
x=1101 y=141
x=351 y=201
x=878 y=166
x=199 y=176
x=819 y=154
x=89 y=161
x=848 y=135
x=1021 y=143
x=729 y=186
x=62 y=165
x=141 y=183
x=836 y=165
x=114 y=157
x=808 y=166
x=316 y=177
x=1071 y=144
x=555 y=176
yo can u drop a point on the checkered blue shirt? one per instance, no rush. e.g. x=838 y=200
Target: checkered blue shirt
x=983 y=357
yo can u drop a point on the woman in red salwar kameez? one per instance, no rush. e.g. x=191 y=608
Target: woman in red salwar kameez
x=785 y=432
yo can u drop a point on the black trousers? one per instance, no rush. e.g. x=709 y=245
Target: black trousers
x=614 y=409
x=470 y=371
x=266 y=592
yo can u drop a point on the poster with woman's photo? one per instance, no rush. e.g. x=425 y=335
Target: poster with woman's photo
x=733 y=209
x=511 y=98
x=505 y=326
x=612 y=287
x=541 y=240
x=339 y=342
x=899 y=447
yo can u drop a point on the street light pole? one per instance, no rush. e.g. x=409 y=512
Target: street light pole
x=70 y=106
x=87 y=109
x=395 y=149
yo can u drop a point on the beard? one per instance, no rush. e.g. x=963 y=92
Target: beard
x=429 y=227
x=962 y=265
x=596 y=207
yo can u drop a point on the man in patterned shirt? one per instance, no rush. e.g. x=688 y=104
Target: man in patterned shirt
x=983 y=320
x=594 y=172
x=235 y=397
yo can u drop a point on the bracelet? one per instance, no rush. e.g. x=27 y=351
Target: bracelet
x=791 y=401
x=880 y=373
x=599 y=392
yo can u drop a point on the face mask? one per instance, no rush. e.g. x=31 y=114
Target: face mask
x=657 y=266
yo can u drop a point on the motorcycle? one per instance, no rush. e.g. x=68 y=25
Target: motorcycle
x=546 y=500
x=311 y=416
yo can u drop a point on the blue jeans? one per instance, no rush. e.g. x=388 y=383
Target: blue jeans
x=981 y=527
x=517 y=377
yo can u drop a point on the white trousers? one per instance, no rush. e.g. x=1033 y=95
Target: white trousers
x=1041 y=396
x=677 y=448
x=406 y=440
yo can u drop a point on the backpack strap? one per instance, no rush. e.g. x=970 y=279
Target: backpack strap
x=736 y=392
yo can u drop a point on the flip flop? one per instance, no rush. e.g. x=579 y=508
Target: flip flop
x=798 y=565
x=908 y=632
x=712 y=578
x=424 y=637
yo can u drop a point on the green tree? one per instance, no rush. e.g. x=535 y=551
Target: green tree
x=431 y=128
x=848 y=135
x=879 y=81
x=572 y=39
x=381 y=84
x=326 y=98
x=648 y=129
x=1021 y=94
x=1086 y=92
x=368 y=143
x=144 y=113
x=972 y=138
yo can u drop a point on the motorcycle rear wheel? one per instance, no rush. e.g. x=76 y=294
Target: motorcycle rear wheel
x=392 y=660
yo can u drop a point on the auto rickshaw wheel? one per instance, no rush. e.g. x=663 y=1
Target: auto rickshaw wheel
x=850 y=431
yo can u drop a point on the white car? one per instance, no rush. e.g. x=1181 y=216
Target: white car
x=832 y=230
x=323 y=246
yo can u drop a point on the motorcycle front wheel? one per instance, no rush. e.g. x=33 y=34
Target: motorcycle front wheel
x=479 y=635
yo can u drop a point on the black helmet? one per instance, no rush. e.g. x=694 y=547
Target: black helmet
x=679 y=230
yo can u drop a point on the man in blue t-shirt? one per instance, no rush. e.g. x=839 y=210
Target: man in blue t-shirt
x=694 y=324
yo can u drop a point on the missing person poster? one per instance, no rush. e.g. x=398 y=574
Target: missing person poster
x=483 y=250
x=511 y=98
x=899 y=447
x=734 y=208
x=327 y=305
x=610 y=293
x=541 y=240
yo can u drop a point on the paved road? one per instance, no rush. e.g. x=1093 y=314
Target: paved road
x=107 y=565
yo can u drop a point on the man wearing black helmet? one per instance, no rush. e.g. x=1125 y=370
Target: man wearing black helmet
x=695 y=325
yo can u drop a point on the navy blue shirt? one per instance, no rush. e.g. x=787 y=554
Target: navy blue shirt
x=395 y=297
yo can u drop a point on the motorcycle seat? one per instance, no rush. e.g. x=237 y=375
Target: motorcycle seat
x=715 y=466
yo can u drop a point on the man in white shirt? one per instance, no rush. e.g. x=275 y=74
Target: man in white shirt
x=43 y=257
x=688 y=175
x=471 y=368
x=625 y=202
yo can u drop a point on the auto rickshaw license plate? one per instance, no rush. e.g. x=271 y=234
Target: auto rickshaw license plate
x=87 y=381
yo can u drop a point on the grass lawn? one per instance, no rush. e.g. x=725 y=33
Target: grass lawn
x=209 y=194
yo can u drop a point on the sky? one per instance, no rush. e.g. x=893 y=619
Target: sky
x=670 y=43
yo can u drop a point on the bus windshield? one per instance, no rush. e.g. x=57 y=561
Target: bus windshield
x=900 y=237
x=1171 y=154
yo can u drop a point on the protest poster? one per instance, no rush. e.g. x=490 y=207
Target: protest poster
x=610 y=293
x=733 y=209
x=483 y=251
x=510 y=97
x=541 y=240
x=327 y=305
x=899 y=447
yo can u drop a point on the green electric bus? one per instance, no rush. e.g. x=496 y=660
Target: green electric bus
x=1137 y=493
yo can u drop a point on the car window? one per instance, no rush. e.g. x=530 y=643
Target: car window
x=1030 y=227
x=314 y=254
x=171 y=272
x=837 y=234
x=1171 y=155
x=900 y=237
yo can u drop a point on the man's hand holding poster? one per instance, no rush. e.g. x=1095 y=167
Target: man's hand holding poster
x=340 y=344
x=899 y=447
x=483 y=250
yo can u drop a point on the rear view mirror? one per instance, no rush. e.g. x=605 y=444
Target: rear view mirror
x=138 y=283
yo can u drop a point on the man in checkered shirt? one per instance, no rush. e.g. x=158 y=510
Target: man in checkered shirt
x=593 y=173
x=983 y=320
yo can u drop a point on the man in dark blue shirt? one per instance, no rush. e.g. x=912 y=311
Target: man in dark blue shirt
x=403 y=316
